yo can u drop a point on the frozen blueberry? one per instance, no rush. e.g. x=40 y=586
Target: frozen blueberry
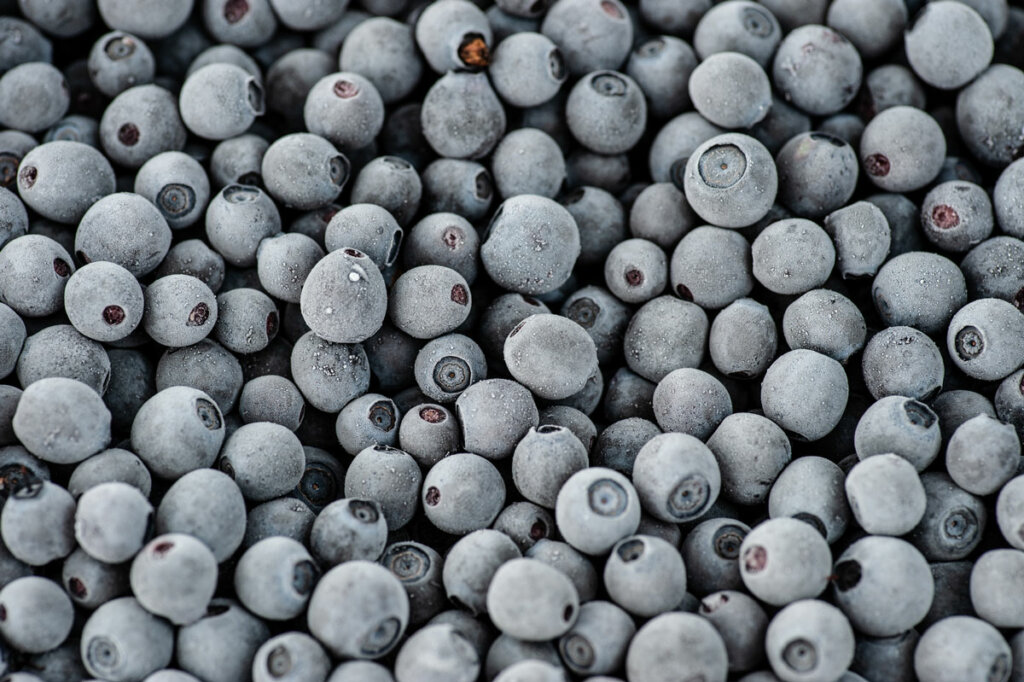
x=291 y=656
x=180 y=310
x=329 y=374
x=121 y=640
x=60 y=351
x=551 y=355
x=783 y=560
x=591 y=35
x=358 y=610
x=109 y=466
x=222 y=643
x=61 y=180
x=901 y=426
x=805 y=393
x=902 y=149
x=178 y=430
x=730 y=180
x=119 y=60
x=543 y=460
x=113 y=521
x=140 y=123
x=275 y=577
x=35 y=95
x=238 y=218
x=751 y=452
x=792 y=256
x=919 y=289
x=873 y=27
x=174 y=576
x=953 y=522
x=660 y=318
x=103 y=301
x=596 y=508
x=220 y=100
x=462 y=493
x=817 y=69
x=207 y=505
x=304 y=171
x=91 y=583
x=983 y=454
x=177 y=185
x=645 y=575
x=931 y=32
x=265 y=460
x=61 y=420
x=389 y=477
x=994 y=588
x=37 y=614
x=531 y=601
x=809 y=640
x=597 y=641
x=956 y=215
x=283 y=263
x=344 y=299
x=522 y=257
x=981 y=652
x=824 y=321
x=985 y=339
x=902 y=361
x=655 y=652
x=237 y=160
x=885 y=494
x=527 y=69
x=745 y=101
x=690 y=401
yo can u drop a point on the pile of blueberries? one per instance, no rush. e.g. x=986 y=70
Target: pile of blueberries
x=511 y=340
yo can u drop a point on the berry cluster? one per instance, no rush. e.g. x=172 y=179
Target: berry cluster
x=511 y=340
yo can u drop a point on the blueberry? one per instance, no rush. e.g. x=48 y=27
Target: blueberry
x=291 y=656
x=34 y=95
x=783 y=560
x=121 y=640
x=993 y=587
x=37 y=614
x=174 y=576
x=900 y=426
x=527 y=69
x=597 y=641
x=304 y=171
x=199 y=647
x=451 y=493
x=902 y=361
x=983 y=339
x=73 y=408
x=645 y=575
x=883 y=585
x=809 y=640
x=220 y=101
x=654 y=652
x=873 y=27
x=902 y=149
x=730 y=180
x=140 y=123
x=665 y=317
x=596 y=508
x=953 y=523
x=929 y=33
x=811 y=489
x=113 y=521
x=358 y=610
x=919 y=289
x=178 y=430
x=208 y=505
x=885 y=494
x=606 y=111
x=531 y=601
x=982 y=653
